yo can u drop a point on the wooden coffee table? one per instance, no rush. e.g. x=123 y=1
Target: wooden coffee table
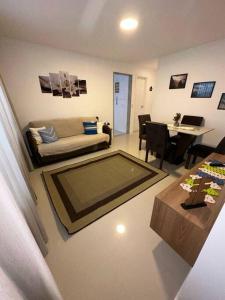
x=185 y=230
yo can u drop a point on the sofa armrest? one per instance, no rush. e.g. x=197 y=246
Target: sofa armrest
x=106 y=129
x=32 y=146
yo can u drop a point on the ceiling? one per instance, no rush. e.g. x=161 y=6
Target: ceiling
x=92 y=26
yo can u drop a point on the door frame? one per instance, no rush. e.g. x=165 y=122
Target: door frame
x=130 y=84
x=135 y=104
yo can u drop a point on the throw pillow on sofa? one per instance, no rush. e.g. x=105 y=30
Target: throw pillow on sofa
x=36 y=135
x=48 y=135
x=90 y=127
x=99 y=127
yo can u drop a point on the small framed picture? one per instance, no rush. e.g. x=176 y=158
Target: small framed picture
x=178 y=81
x=117 y=87
x=45 y=84
x=83 y=86
x=55 y=84
x=74 y=86
x=222 y=102
x=65 y=84
x=203 y=89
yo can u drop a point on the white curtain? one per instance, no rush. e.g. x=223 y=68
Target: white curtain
x=24 y=273
x=14 y=169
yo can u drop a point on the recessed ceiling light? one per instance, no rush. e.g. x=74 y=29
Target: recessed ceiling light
x=129 y=24
x=120 y=228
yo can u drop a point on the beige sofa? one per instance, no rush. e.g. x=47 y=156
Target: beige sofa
x=72 y=140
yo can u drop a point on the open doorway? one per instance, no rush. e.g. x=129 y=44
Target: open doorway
x=122 y=86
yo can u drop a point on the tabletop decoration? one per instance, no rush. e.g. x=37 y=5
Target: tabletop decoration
x=176 y=119
x=204 y=186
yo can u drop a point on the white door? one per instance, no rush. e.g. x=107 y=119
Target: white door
x=140 y=98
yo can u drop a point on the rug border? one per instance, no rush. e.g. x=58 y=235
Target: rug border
x=62 y=214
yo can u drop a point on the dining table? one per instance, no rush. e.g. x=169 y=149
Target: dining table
x=187 y=129
x=178 y=147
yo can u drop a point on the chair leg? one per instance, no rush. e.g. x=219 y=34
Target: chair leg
x=140 y=141
x=161 y=162
x=194 y=159
x=146 y=155
x=188 y=161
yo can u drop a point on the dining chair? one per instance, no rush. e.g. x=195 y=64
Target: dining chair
x=157 y=140
x=201 y=150
x=142 y=132
x=179 y=148
x=181 y=142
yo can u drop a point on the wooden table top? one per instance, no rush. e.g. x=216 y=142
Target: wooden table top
x=174 y=195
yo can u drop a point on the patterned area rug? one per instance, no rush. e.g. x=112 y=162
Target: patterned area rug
x=83 y=192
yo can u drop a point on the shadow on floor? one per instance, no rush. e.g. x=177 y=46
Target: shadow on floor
x=172 y=268
x=171 y=169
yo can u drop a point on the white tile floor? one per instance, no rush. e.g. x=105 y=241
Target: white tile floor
x=98 y=263
x=116 y=132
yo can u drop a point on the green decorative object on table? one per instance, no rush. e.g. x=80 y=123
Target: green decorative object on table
x=204 y=186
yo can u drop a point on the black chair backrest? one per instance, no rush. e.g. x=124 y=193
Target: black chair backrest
x=157 y=137
x=192 y=120
x=221 y=147
x=144 y=118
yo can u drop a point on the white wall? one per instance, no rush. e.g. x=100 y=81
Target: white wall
x=21 y=63
x=204 y=63
x=206 y=279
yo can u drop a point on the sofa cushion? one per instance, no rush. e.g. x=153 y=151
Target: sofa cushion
x=99 y=127
x=68 y=127
x=36 y=135
x=90 y=127
x=48 y=135
x=69 y=144
x=64 y=127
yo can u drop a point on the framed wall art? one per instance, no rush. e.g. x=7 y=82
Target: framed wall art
x=117 y=87
x=83 y=86
x=74 y=86
x=203 y=89
x=63 y=84
x=55 y=84
x=45 y=84
x=222 y=102
x=178 y=81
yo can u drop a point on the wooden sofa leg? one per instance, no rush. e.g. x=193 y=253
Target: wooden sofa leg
x=188 y=161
